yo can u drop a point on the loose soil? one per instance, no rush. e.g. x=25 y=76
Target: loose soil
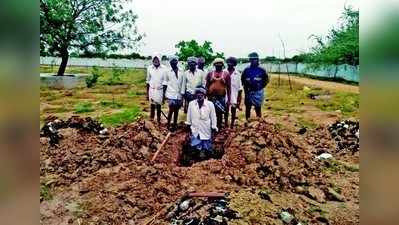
x=110 y=179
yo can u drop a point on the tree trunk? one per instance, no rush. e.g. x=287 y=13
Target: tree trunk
x=64 y=62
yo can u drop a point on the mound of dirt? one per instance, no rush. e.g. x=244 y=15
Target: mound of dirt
x=118 y=184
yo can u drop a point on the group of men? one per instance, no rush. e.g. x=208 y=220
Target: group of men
x=207 y=97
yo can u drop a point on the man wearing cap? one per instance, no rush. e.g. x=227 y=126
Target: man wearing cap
x=254 y=79
x=236 y=87
x=155 y=79
x=173 y=82
x=201 y=118
x=192 y=78
x=219 y=91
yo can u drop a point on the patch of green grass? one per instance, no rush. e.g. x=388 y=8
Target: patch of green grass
x=45 y=193
x=111 y=104
x=347 y=103
x=126 y=116
x=84 y=107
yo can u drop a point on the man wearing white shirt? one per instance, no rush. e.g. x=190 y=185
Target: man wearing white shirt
x=236 y=87
x=193 y=78
x=173 y=82
x=155 y=79
x=201 y=67
x=201 y=118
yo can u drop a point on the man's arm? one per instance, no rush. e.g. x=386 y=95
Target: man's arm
x=228 y=84
x=208 y=80
x=189 y=115
x=183 y=84
x=213 y=117
x=148 y=78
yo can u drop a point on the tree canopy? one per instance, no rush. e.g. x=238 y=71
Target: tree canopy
x=85 y=27
x=341 y=45
x=186 y=49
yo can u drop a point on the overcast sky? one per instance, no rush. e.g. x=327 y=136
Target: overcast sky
x=236 y=27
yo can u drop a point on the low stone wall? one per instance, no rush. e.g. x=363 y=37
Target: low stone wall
x=62 y=82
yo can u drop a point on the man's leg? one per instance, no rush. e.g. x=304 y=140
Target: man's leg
x=233 y=115
x=152 y=111
x=258 y=111
x=247 y=111
x=219 y=117
x=171 y=110
x=226 y=118
x=175 y=117
x=159 y=113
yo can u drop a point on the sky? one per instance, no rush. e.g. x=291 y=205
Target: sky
x=236 y=27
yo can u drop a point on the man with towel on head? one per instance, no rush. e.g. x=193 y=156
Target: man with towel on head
x=218 y=85
x=236 y=87
x=155 y=88
x=192 y=78
x=201 y=118
x=254 y=79
x=173 y=82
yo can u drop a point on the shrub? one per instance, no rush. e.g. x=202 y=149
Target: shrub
x=93 y=78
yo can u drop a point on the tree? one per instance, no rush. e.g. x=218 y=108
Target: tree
x=85 y=26
x=341 y=46
x=192 y=48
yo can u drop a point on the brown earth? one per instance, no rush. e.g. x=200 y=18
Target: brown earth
x=110 y=179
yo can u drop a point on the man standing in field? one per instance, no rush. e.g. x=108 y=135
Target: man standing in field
x=155 y=80
x=192 y=78
x=201 y=118
x=219 y=86
x=254 y=79
x=201 y=67
x=173 y=82
x=236 y=88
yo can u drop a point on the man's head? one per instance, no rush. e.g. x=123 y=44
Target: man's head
x=254 y=59
x=173 y=60
x=200 y=93
x=231 y=62
x=201 y=63
x=218 y=63
x=192 y=63
x=156 y=59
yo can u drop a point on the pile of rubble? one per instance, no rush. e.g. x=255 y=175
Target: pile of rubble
x=194 y=211
x=346 y=135
x=53 y=124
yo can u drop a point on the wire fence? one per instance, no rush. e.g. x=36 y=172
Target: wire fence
x=346 y=72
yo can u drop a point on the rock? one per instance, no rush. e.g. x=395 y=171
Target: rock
x=324 y=156
x=286 y=217
x=265 y=196
x=335 y=196
x=145 y=151
x=185 y=205
x=302 y=130
x=300 y=189
x=317 y=194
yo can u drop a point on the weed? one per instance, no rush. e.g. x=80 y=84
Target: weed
x=45 y=193
x=111 y=104
x=84 y=107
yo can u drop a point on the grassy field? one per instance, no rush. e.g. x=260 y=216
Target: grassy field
x=119 y=98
